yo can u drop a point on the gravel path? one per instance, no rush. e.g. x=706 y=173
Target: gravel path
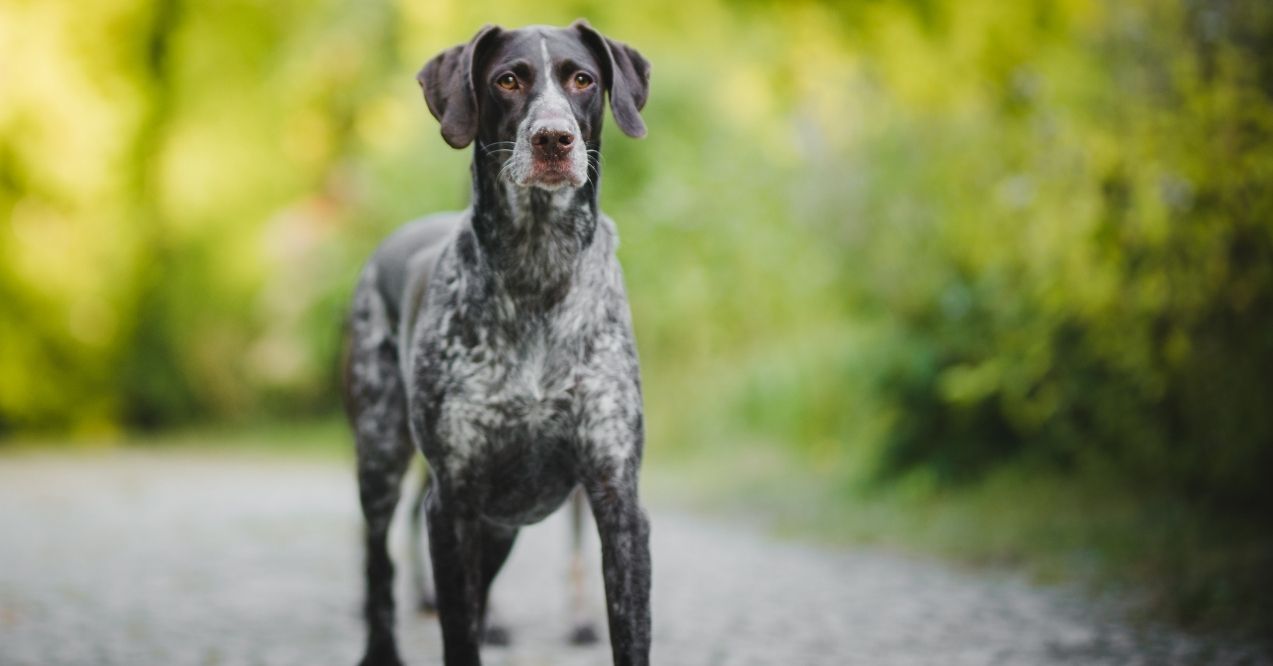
x=138 y=559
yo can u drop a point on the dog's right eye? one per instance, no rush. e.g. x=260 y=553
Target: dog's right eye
x=507 y=82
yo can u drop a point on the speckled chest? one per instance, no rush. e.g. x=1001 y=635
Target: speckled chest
x=512 y=395
x=506 y=419
x=508 y=389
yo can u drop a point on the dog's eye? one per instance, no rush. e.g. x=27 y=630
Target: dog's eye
x=507 y=82
x=582 y=80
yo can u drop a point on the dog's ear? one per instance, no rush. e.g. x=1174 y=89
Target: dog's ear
x=627 y=78
x=447 y=81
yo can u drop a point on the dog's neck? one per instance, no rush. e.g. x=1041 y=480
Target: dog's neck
x=532 y=239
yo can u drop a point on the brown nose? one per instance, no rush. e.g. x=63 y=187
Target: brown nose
x=552 y=143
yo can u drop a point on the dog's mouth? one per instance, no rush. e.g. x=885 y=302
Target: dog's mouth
x=549 y=173
x=553 y=173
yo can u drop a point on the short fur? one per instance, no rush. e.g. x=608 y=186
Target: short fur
x=498 y=340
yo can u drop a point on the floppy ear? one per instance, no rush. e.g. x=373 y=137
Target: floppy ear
x=627 y=75
x=447 y=81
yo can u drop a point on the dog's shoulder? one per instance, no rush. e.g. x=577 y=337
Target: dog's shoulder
x=601 y=266
x=607 y=232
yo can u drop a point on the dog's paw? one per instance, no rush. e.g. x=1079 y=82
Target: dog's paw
x=583 y=634
x=383 y=655
x=497 y=635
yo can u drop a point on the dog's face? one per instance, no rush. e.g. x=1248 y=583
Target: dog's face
x=534 y=97
x=540 y=103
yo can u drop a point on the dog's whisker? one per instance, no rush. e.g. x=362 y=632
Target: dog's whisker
x=592 y=170
x=496 y=147
x=594 y=167
x=504 y=172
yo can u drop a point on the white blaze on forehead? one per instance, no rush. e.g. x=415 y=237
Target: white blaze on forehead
x=553 y=97
x=548 y=62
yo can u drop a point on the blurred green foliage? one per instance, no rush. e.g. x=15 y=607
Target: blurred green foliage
x=915 y=237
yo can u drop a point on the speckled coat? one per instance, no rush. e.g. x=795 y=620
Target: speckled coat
x=498 y=341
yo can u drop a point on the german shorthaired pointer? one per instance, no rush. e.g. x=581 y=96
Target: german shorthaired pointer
x=498 y=340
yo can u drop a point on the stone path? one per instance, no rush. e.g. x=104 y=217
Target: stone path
x=137 y=559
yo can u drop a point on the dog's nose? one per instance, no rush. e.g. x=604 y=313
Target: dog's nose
x=551 y=143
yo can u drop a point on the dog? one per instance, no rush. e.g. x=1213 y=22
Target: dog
x=498 y=340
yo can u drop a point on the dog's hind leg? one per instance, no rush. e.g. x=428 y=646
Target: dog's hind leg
x=379 y=480
x=497 y=543
x=376 y=405
x=582 y=630
x=421 y=571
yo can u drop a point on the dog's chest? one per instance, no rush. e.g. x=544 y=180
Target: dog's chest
x=532 y=374
x=510 y=396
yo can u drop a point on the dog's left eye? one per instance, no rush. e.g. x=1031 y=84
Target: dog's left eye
x=582 y=80
x=507 y=82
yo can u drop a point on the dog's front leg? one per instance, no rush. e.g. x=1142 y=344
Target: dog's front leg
x=455 y=544
x=625 y=562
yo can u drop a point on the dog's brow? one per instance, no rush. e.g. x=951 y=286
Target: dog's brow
x=571 y=65
x=519 y=67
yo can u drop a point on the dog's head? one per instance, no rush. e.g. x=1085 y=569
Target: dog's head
x=533 y=97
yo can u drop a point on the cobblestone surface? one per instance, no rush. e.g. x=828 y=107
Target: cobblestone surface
x=137 y=559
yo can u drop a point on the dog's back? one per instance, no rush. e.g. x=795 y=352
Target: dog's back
x=403 y=263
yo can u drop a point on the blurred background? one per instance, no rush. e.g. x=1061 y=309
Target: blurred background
x=992 y=280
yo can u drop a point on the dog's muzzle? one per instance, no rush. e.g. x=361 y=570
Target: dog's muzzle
x=550 y=154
